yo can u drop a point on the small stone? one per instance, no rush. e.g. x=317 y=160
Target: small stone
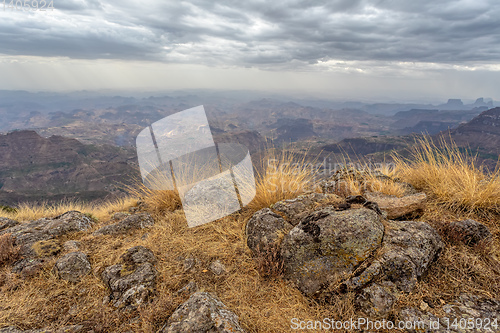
x=424 y=306
x=397 y=207
x=119 y=216
x=188 y=289
x=73 y=266
x=217 y=267
x=202 y=312
x=189 y=264
x=470 y=232
x=133 y=281
x=376 y=300
x=28 y=267
x=71 y=245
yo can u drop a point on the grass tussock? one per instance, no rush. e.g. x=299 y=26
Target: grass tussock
x=97 y=210
x=352 y=185
x=8 y=251
x=282 y=175
x=451 y=177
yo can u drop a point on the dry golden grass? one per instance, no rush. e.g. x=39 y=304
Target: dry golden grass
x=263 y=303
x=450 y=177
x=282 y=175
x=100 y=211
x=351 y=185
x=8 y=252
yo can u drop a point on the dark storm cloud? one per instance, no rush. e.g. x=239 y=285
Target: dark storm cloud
x=259 y=33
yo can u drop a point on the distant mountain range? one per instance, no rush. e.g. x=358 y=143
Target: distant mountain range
x=33 y=168
x=82 y=145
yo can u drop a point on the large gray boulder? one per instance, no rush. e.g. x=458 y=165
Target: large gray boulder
x=202 y=313
x=295 y=209
x=133 y=281
x=132 y=222
x=377 y=299
x=408 y=249
x=327 y=245
x=265 y=230
x=73 y=266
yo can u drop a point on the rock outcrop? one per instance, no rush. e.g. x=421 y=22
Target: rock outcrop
x=345 y=245
x=484 y=313
x=202 y=312
x=133 y=281
x=73 y=266
x=128 y=223
x=328 y=245
x=27 y=234
x=265 y=230
x=469 y=231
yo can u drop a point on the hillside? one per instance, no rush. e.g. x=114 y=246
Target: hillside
x=47 y=169
x=481 y=135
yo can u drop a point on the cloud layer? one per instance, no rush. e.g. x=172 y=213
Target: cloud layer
x=263 y=34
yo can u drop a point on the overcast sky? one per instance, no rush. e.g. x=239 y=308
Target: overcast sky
x=342 y=49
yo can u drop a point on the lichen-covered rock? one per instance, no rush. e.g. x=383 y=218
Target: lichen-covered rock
x=138 y=255
x=201 y=313
x=28 y=267
x=26 y=234
x=132 y=222
x=7 y=223
x=377 y=299
x=397 y=207
x=469 y=231
x=133 y=281
x=484 y=310
x=120 y=216
x=265 y=230
x=408 y=249
x=295 y=209
x=73 y=266
x=472 y=306
x=328 y=244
